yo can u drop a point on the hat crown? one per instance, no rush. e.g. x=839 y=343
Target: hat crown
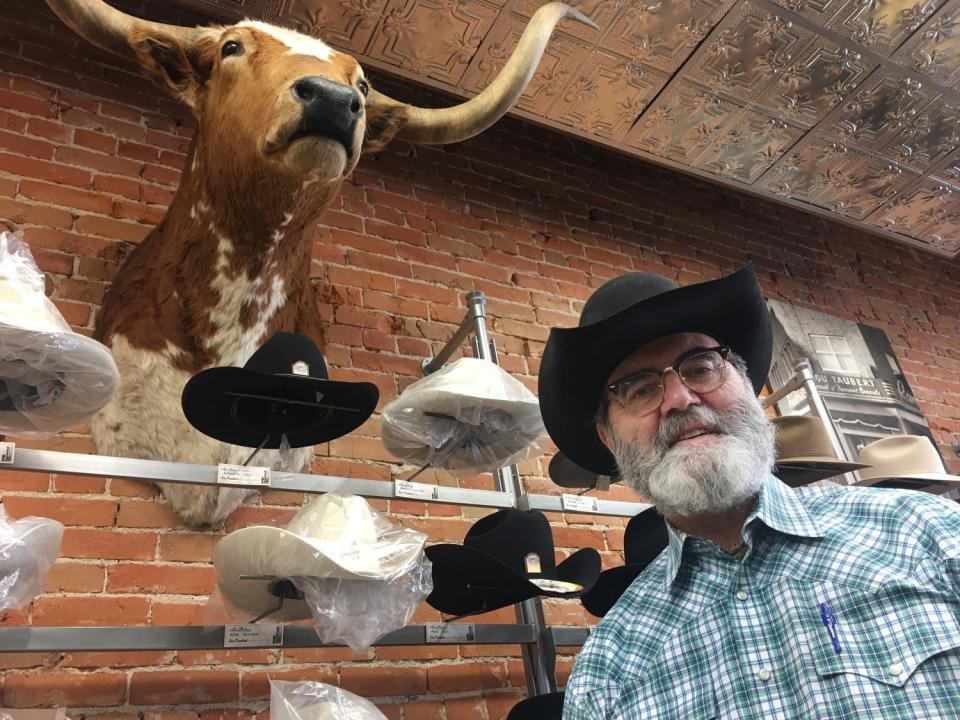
x=519 y=539
x=289 y=353
x=335 y=518
x=899 y=455
x=622 y=292
x=801 y=437
x=644 y=538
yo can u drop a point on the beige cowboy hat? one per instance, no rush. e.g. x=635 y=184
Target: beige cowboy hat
x=470 y=414
x=805 y=453
x=50 y=376
x=312 y=700
x=909 y=461
x=331 y=536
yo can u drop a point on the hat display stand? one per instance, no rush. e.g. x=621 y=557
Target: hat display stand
x=537 y=641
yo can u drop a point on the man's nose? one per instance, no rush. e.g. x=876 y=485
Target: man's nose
x=676 y=395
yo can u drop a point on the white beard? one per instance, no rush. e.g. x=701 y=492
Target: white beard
x=712 y=478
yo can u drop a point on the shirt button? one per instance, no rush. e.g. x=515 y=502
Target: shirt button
x=741 y=595
x=896 y=669
x=763 y=674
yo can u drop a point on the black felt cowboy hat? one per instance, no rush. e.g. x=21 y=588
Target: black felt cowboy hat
x=644 y=539
x=283 y=389
x=506 y=557
x=624 y=314
x=540 y=707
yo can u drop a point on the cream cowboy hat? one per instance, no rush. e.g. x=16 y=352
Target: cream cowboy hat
x=805 y=453
x=332 y=536
x=50 y=376
x=468 y=415
x=907 y=461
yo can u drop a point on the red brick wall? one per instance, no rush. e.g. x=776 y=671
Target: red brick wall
x=89 y=159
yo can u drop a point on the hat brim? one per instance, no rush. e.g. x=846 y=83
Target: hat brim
x=541 y=707
x=261 y=550
x=467 y=581
x=566 y=473
x=210 y=409
x=577 y=362
x=798 y=474
x=82 y=368
x=913 y=480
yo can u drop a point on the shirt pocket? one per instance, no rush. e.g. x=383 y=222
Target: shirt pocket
x=884 y=634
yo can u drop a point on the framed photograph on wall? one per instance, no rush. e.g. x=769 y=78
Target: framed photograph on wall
x=856 y=371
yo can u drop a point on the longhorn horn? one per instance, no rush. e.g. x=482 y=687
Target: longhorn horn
x=108 y=28
x=428 y=126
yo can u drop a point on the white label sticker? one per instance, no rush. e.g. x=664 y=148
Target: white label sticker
x=415 y=491
x=6 y=453
x=581 y=503
x=243 y=475
x=450 y=632
x=266 y=635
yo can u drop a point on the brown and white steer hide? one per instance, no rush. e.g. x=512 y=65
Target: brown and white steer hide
x=281 y=119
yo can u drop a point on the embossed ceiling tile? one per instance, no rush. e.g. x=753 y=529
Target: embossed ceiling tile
x=602 y=12
x=607 y=96
x=882 y=25
x=931 y=136
x=815 y=82
x=747 y=145
x=820 y=11
x=816 y=166
x=934 y=50
x=433 y=38
x=663 y=33
x=561 y=60
x=880 y=109
x=748 y=50
x=346 y=24
x=869 y=186
x=682 y=122
x=917 y=211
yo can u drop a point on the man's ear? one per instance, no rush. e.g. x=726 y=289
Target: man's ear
x=383 y=123
x=602 y=433
x=181 y=71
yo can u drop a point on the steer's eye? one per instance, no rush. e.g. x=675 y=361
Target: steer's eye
x=363 y=87
x=231 y=47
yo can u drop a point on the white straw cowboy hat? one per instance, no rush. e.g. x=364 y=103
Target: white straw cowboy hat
x=468 y=415
x=50 y=376
x=805 y=453
x=911 y=459
x=332 y=536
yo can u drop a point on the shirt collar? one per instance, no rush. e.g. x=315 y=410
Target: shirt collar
x=778 y=506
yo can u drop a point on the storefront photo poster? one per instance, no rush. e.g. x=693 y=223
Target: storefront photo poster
x=856 y=371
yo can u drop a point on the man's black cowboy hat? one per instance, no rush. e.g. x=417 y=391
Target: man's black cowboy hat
x=539 y=707
x=645 y=538
x=283 y=389
x=621 y=316
x=506 y=557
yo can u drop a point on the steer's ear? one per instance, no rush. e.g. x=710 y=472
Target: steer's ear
x=383 y=123
x=182 y=71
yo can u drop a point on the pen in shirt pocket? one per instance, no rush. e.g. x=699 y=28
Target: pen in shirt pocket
x=830 y=623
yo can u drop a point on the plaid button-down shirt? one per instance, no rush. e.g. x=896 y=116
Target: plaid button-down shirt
x=845 y=605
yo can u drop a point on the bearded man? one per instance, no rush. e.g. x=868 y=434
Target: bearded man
x=768 y=602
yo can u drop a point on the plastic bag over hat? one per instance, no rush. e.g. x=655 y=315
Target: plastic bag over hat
x=28 y=549
x=470 y=415
x=338 y=561
x=50 y=376
x=312 y=700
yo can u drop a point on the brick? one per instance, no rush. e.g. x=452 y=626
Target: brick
x=75 y=577
x=162 y=579
x=182 y=687
x=177 y=613
x=454 y=678
x=256 y=683
x=90 y=611
x=24 y=481
x=187 y=547
x=66 y=197
x=70 y=511
x=58 y=689
x=108 y=544
x=384 y=681
x=147 y=514
x=42 y=170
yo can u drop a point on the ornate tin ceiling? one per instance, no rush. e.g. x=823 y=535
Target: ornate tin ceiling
x=845 y=107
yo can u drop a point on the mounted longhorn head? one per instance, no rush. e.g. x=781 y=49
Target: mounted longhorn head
x=281 y=118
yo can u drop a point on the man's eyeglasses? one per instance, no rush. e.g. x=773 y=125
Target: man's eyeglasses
x=702 y=370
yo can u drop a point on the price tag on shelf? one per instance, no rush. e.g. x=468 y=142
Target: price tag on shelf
x=415 y=491
x=243 y=475
x=450 y=632
x=578 y=503
x=6 y=453
x=266 y=635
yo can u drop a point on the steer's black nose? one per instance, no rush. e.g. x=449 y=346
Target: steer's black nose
x=329 y=108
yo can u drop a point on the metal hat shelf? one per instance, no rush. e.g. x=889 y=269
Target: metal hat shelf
x=537 y=640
